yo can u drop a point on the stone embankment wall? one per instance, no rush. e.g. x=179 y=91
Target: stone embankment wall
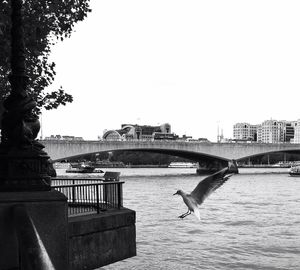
x=98 y=240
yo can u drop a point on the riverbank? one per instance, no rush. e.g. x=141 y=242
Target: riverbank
x=264 y=166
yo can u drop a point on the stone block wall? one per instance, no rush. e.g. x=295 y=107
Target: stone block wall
x=98 y=240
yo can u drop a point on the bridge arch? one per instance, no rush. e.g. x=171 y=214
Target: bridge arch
x=295 y=151
x=197 y=157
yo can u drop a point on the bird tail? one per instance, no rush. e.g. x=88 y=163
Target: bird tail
x=197 y=213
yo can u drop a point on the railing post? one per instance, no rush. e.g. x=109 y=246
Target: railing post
x=97 y=198
x=73 y=192
x=119 y=194
x=105 y=195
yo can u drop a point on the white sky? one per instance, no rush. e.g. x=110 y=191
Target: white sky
x=193 y=64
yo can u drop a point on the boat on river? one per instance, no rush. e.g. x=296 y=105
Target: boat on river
x=182 y=165
x=84 y=168
x=295 y=170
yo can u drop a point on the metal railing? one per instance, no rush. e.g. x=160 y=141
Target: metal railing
x=90 y=195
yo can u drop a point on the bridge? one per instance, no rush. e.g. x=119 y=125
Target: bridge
x=63 y=149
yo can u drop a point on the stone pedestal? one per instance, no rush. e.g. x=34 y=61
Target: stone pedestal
x=24 y=170
x=48 y=211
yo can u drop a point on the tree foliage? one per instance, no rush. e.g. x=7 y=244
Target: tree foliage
x=45 y=22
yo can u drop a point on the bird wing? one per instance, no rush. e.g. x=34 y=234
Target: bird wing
x=210 y=184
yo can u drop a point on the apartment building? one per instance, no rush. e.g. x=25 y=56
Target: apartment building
x=289 y=131
x=273 y=131
x=296 y=138
x=245 y=131
x=269 y=131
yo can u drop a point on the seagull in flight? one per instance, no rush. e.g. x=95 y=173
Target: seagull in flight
x=205 y=188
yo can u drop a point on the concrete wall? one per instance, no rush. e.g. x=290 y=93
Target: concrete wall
x=98 y=240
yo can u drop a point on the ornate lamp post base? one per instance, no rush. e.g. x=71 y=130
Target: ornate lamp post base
x=24 y=171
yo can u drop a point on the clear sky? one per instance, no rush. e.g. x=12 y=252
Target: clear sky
x=194 y=64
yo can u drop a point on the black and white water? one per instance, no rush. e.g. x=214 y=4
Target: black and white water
x=251 y=222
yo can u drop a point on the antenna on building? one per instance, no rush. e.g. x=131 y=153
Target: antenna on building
x=218 y=135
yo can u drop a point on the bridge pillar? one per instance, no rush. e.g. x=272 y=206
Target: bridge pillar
x=208 y=166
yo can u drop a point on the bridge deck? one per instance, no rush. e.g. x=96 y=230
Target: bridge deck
x=62 y=149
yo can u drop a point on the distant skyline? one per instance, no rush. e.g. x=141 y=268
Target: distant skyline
x=197 y=65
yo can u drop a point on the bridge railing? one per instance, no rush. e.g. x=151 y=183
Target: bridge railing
x=87 y=196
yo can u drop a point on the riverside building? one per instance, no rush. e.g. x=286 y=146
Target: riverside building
x=296 y=138
x=140 y=132
x=64 y=137
x=269 y=131
x=245 y=131
x=289 y=131
x=273 y=131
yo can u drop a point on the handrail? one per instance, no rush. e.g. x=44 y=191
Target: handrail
x=89 y=184
x=99 y=179
x=91 y=197
x=33 y=254
x=67 y=178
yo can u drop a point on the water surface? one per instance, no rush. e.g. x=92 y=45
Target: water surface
x=251 y=222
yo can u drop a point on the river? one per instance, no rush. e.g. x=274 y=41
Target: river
x=251 y=222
